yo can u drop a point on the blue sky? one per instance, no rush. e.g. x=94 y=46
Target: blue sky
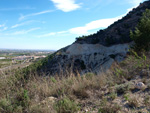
x=53 y=24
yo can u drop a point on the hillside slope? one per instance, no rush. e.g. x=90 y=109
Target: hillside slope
x=119 y=31
x=96 y=52
x=125 y=88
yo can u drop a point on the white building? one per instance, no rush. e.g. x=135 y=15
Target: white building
x=2 y=58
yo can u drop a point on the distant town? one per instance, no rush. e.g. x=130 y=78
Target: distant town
x=21 y=58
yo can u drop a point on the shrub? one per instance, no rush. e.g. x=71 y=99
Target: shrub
x=133 y=102
x=22 y=98
x=122 y=89
x=147 y=100
x=81 y=37
x=89 y=75
x=126 y=97
x=5 y=105
x=113 y=95
x=53 y=79
x=81 y=93
x=141 y=35
x=66 y=105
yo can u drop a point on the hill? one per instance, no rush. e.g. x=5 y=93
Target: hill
x=125 y=88
x=96 y=52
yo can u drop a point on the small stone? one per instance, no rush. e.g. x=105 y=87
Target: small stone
x=86 y=110
x=49 y=99
x=52 y=99
x=140 y=85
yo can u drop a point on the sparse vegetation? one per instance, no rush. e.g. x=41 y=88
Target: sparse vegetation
x=81 y=37
x=76 y=93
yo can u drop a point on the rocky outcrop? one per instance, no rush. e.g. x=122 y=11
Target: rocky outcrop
x=97 y=52
x=97 y=57
x=87 y=57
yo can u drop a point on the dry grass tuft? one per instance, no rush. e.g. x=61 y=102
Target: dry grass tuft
x=133 y=102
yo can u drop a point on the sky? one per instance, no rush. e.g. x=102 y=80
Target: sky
x=54 y=24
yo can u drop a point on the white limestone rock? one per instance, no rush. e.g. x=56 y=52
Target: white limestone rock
x=140 y=85
x=78 y=49
x=97 y=57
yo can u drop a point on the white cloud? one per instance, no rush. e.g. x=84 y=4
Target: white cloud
x=102 y=23
x=21 y=24
x=34 y=14
x=83 y=30
x=66 y=5
x=26 y=23
x=52 y=34
x=3 y=27
x=24 y=31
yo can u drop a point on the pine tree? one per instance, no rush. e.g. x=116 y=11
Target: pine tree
x=141 y=35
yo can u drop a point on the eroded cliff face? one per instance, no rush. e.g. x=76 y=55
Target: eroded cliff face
x=96 y=57
x=87 y=58
x=97 y=52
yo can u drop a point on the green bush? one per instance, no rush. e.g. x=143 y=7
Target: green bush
x=16 y=105
x=22 y=98
x=89 y=75
x=5 y=105
x=141 y=35
x=35 y=67
x=66 y=105
x=53 y=79
x=81 y=37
